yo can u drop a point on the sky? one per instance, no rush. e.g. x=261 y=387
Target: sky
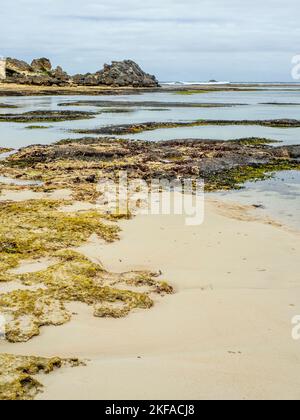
x=182 y=40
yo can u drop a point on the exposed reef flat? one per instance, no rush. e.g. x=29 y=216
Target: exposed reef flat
x=150 y=104
x=5 y=150
x=46 y=116
x=281 y=103
x=40 y=228
x=124 y=129
x=79 y=164
x=61 y=232
x=37 y=127
x=17 y=372
x=7 y=106
x=74 y=278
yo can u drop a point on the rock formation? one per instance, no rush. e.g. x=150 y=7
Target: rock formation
x=41 y=73
x=119 y=73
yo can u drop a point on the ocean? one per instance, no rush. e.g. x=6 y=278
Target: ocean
x=279 y=197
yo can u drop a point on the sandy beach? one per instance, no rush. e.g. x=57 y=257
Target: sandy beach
x=225 y=333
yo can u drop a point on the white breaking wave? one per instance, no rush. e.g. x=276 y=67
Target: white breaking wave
x=193 y=83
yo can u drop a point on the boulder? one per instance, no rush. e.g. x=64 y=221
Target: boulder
x=60 y=77
x=15 y=67
x=41 y=65
x=125 y=73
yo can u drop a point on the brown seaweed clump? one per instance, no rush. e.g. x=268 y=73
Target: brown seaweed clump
x=16 y=375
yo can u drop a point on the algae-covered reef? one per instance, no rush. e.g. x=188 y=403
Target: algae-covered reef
x=17 y=375
x=39 y=228
x=74 y=278
x=46 y=116
x=34 y=229
x=5 y=150
x=148 y=104
x=37 y=127
x=8 y=106
x=118 y=130
x=80 y=164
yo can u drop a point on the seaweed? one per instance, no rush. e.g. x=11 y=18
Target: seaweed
x=37 y=228
x=16 y=374
x=74 y=278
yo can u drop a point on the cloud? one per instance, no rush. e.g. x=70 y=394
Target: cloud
x=175 y=39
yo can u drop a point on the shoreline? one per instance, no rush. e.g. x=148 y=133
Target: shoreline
x=224 y=326
x=10 y=89
x=156 y=309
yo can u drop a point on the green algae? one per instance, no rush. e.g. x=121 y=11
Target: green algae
x=152 y=126
x=236 y=177
x=74 y=278
x=8 y=106
x=46 y=116
x=37 y=127
x=117 y=110
x=254 y=141
x=37 y=228
x=5 y=150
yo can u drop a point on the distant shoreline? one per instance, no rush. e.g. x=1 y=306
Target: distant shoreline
x=7 y=89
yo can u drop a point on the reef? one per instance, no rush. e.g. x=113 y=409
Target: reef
x=17 y=375
x=5 y=150
x=37 y=228
x=148 y=104
x=281 y=103
x=46 y=228
x=115 y=130
x=37 y=127
x=7 y=106
x=80 y=164
x=46 y=116
x=74 y=278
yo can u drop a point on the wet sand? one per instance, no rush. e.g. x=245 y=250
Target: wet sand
x=224 y=334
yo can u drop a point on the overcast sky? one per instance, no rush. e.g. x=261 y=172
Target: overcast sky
x=237 y=40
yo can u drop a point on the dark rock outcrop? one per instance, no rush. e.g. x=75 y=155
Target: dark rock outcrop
x=119 y=74
x=125 y=73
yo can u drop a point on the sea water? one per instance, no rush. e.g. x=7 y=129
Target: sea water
x=278 y=197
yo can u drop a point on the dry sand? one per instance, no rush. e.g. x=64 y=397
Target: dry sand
x=224 y=334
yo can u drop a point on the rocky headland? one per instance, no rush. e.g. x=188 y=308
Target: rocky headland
x=41 y=73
